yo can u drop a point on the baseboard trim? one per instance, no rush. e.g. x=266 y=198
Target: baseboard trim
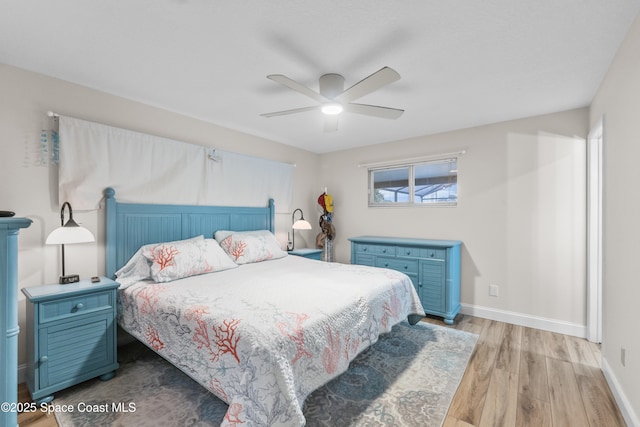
x=22 y=373
x=551 y=325
x=626 y=409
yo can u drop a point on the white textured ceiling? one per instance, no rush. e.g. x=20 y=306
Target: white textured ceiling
x=463 y=62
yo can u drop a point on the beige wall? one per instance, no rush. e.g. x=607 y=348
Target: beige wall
x=618 y=101
x=30 y=190
x=521 y=213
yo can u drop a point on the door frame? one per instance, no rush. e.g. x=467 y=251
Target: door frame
x=595 y=143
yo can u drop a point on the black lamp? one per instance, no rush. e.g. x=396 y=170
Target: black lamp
x=67 y=233
x=300 y=224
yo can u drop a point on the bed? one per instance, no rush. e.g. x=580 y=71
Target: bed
x=260 y=332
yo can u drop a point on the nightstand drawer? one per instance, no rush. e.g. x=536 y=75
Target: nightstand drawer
x=75 y=306
x=403 y=265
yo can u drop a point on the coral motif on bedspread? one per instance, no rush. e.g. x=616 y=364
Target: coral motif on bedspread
x=224 y=340
x=291 y=328
x=265 y=355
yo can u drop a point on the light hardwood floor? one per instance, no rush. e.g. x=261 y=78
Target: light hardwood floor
x=517 y=376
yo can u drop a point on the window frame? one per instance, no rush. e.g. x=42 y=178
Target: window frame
x=411 y=188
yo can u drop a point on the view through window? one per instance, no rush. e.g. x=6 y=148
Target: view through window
x=425 y=183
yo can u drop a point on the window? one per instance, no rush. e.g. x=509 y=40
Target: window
x=425 y=183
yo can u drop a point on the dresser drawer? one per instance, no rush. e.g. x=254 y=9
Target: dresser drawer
x=375 y=249
x=75 y=306
x=365 y=259
x=433 y=253
x=403 y=265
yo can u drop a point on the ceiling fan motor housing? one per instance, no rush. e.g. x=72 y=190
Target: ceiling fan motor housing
x=331 y=85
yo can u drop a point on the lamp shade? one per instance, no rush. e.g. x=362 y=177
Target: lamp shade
x=71 y=232
x=301 y=224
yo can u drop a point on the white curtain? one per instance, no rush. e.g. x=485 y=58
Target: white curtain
x=149 y=169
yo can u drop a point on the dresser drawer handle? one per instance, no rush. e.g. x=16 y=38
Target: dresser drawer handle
x=406 y=267
x=432 y=254
x=386 y=264
x=408 y=252
x=384 y=251
x=79 y=306
x=364 y=249
x=43 y=359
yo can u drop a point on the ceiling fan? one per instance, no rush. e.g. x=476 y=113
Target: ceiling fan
x=333 y=99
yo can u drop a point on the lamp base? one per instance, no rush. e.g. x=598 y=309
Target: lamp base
x=71 y=278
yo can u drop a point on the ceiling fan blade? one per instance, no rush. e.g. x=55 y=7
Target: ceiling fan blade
x=292 y=84
x=374 y=110
x=295 y=110
x=331 y=123
x=375 y=81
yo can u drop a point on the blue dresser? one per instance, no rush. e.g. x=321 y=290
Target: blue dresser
x=9 y=229
x=432 y=265
x=71 y=335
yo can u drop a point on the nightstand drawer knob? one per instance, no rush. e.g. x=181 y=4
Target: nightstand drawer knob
x=43 y=359
x=79 y=306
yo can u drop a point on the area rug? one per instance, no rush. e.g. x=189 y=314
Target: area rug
x=408 y=378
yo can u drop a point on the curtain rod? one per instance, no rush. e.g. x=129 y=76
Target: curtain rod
x=412 y=159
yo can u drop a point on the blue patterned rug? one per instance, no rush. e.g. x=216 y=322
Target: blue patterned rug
x=408 y=378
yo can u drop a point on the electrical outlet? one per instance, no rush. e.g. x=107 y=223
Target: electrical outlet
x=623 y=356
x=493 y=290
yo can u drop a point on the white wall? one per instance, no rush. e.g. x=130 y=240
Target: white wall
x=30 y=190
x=618 y=101
x=521 y=213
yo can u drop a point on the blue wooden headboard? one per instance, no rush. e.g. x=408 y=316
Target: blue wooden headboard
x=132 y=225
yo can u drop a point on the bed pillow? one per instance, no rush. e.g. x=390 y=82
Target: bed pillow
x=245 y=247
x=217 y=257
x=184 y=258
x=136 y=269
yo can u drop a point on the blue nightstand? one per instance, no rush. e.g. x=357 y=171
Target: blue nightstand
x=71 y=335
x=307 y=253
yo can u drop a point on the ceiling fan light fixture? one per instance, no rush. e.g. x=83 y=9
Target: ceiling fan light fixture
x=332 y=108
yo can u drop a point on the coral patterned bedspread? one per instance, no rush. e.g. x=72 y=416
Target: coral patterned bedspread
x=263 y=336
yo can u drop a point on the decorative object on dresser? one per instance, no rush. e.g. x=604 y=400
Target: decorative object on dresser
x=432 y=265
x=69 y=232
x=9 y=229
x=71 y=335
x=300 y=224
x=308 y=253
